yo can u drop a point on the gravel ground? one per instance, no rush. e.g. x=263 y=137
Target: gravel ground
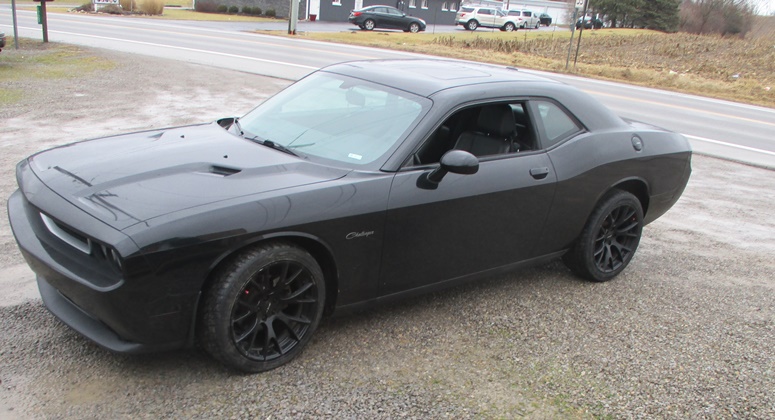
x=686 y=332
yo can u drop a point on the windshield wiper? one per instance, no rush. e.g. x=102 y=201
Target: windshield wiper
x=273 y=145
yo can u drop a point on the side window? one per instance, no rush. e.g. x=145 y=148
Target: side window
x=484 y=131
x=553 y=123
x=485 y=11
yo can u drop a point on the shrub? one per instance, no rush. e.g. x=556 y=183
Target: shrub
x=257 y=11
x=112 y=9
x=233 y=9
x=128 y=5
x=270 y=13
x=152 y=7
x=222 y=8
x=247 y=10
x=86 y=7
x=205 y=6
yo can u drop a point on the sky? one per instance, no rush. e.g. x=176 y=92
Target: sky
x=764 y=7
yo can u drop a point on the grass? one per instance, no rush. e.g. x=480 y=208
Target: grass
x=728 y=68
x=36 y=61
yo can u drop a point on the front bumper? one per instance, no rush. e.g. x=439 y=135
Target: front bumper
x=127 y=313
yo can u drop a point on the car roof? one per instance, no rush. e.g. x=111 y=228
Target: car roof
x=426 y=76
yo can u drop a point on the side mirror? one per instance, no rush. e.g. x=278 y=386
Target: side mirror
x=457 y=162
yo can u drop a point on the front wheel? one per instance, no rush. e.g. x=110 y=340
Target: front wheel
x=262 y=308
x=369 y=25
x=508 y=27
x=414 y=27
x=472 y=25
x=609 y=239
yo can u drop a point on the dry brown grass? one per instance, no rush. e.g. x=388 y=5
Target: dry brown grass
x=727 y=68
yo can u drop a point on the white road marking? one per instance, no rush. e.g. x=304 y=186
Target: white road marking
x=736 y=146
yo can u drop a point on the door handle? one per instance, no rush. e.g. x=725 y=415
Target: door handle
x=539 y=173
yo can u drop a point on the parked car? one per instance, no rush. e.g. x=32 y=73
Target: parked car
x=2 y=41
x=589 y=23
x=362 y=183
x=526 y=18
x=386 y=17
x=545 y=19
x=472 y=17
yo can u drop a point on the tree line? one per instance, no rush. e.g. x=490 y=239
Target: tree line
x=726 y=17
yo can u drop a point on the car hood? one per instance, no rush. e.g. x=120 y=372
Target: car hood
x=131 y=178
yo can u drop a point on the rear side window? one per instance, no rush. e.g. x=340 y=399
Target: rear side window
x=485 y=12
x=467 y=9
x=554 y=123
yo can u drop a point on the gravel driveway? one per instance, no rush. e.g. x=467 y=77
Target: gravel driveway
x=685 y=332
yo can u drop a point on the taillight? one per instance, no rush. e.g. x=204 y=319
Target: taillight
x=462 y=14
x=356 y=13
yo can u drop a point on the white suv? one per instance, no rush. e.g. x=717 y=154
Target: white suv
x=472 y=17
x=525 y=18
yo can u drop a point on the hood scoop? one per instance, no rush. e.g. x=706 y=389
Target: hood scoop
x=223 y=170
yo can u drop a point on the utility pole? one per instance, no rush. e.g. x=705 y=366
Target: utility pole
x=294 y=17
x=15 y=25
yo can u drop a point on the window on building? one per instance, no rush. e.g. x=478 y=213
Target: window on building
x=413 y=3
x=424 y=4
x=444 y=6
x=453 y=7
x=336 y=2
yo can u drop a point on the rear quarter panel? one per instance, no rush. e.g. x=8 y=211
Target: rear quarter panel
x=591 y=164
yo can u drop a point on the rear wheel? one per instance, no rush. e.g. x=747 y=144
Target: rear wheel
x=414 y=27
x=472 y=25
x=368 y=25
x=609 y=239
x=262 y=308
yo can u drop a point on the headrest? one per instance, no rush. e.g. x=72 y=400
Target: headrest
x=496 y=120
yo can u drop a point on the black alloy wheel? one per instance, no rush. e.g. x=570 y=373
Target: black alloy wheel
x=263 y=308
x=369 y=24
x=609 y=239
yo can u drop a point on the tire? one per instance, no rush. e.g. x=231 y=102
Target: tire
x=471 y=25
x=262 y=308
x=369 y=25
x=609 y=239
x=414 y=27
x=537 y=25
x=508 y=27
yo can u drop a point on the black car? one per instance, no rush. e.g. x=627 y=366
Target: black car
x=589 y=23
x=2 y=41
x=362 y=183
x=385 y=17
x=545 y=19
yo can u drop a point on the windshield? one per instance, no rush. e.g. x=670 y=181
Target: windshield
x=335 y=117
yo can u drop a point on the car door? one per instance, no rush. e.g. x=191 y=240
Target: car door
x=379 y=14
x=395 y=19
x=486 y=17
x=468 y=223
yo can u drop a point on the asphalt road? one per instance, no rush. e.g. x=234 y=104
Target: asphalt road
x=717 y=128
